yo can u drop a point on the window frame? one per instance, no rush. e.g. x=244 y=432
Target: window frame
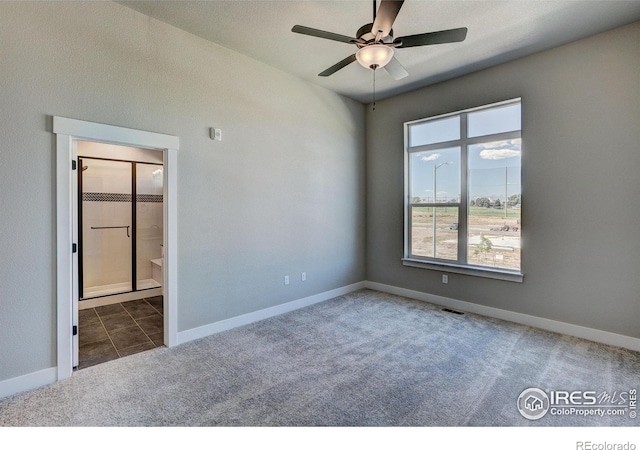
x=460 y=265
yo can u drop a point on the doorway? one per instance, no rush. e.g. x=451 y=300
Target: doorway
x=120 y=251
x=69 y=133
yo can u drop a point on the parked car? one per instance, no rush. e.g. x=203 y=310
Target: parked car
x=453 y=226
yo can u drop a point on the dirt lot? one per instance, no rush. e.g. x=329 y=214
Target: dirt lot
x=505 y=251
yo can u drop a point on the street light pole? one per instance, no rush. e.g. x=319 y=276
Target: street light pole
x=506 y=199
x=435 y=196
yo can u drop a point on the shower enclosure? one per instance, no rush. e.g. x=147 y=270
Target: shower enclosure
x=120 y=209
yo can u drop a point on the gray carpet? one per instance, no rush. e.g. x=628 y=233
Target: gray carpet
x=363 y=359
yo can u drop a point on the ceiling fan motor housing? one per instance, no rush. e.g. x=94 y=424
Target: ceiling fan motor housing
x=364 y=34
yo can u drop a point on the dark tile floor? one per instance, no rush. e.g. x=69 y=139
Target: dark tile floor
x=113 y=331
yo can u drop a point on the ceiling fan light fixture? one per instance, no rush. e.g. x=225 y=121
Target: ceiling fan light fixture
x=376 y=49
x=374 y=56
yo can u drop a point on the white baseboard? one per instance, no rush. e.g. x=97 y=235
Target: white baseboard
x=245 y=319
x=591 y=334
x=27 y=382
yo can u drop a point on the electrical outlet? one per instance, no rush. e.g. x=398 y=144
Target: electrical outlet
x=445 y=279
x=286 y=280
x=304 y=276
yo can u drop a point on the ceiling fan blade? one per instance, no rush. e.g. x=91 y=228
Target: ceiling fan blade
x=395 y=69
x=333 y=69
x=322 y=34
x=437 y=37
x=387 y=13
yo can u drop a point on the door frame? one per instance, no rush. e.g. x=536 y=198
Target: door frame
x=68 y=132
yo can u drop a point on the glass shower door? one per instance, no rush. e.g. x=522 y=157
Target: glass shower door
x=106 y=227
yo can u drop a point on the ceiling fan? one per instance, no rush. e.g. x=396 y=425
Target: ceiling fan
x=376 y=44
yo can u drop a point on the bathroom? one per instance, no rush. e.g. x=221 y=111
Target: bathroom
x=120 y=251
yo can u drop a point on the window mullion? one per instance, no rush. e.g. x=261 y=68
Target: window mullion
x=464 y=192
x=430 y=147
x=517 y=134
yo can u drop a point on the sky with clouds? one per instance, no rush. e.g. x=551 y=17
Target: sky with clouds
x=488 y=163
x=494 y=167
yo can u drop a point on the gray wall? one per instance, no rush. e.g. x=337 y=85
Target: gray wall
x=281 y=194
x=581 y=163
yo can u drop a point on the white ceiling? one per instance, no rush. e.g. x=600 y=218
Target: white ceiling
x=499 y=31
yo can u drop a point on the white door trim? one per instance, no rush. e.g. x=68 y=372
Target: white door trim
x=68 y=131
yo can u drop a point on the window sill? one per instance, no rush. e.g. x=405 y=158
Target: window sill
x=496 y=274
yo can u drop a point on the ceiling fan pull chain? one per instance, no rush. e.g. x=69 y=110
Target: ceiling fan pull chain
x=374 y=88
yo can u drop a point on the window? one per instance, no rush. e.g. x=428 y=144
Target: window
x=463 y=192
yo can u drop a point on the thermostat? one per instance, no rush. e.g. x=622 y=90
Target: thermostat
x=215 y=134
